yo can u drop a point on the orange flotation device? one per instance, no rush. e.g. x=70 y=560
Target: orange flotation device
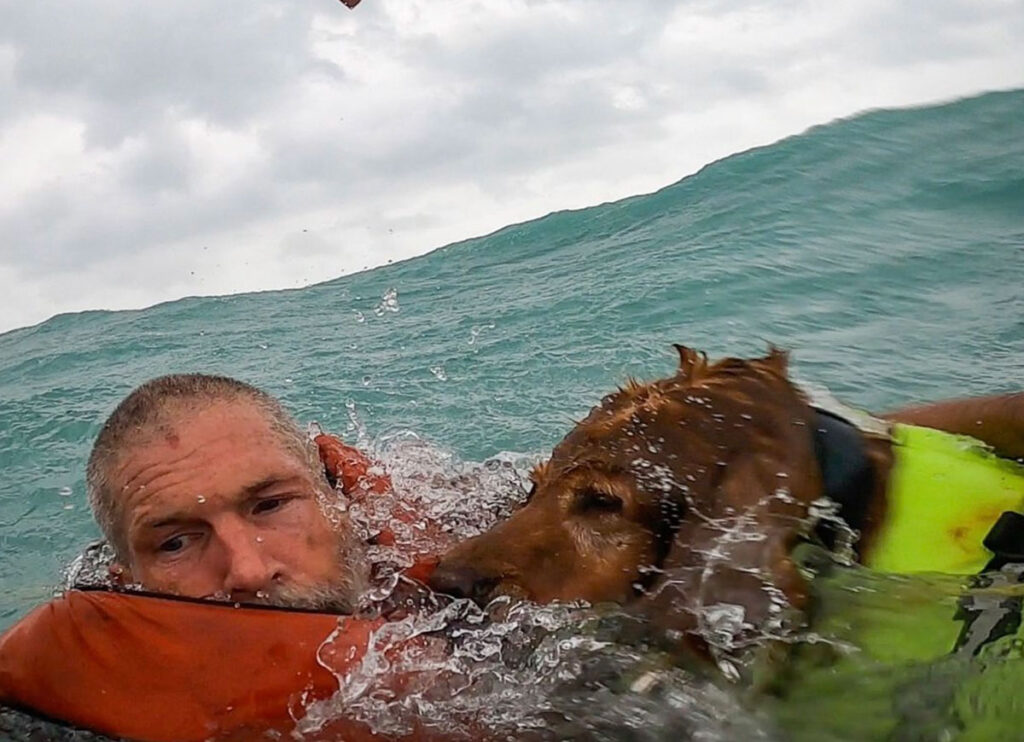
x=159 y=668
x=360 y=477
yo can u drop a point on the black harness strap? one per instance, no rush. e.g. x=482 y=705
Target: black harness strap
x=990 y=617
x=846 y=471
x=1006 y=541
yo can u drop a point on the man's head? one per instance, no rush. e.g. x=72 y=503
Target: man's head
x=204 y=486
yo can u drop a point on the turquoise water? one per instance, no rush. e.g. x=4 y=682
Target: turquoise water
x=886 y=250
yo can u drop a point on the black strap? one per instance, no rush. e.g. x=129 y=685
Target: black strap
x=846 y=471
x=990 y=617
x=1006 y=541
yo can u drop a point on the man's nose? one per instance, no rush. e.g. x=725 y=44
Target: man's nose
x=249 y=568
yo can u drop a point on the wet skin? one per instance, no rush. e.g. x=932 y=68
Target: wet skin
x=215 y=505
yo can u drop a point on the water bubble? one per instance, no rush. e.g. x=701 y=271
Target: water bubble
x=439 y=372
x=64 y=492
x=388 y=302
x=366 y=380
x=263 y=346
x=359 y=316
x=474 y=332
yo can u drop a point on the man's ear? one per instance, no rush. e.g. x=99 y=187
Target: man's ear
x=119 y=574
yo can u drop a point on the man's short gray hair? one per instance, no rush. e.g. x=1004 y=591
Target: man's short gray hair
x=154 y=405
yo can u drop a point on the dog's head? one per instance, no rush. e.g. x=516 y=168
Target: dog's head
x=687 y=488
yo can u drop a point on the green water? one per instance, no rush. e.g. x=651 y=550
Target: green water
x=887 y=251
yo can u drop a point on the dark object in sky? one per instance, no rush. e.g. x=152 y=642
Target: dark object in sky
x=350 y=3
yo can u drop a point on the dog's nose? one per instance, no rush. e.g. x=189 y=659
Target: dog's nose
x=462 y=581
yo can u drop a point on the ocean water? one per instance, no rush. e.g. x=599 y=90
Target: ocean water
x=886 y=251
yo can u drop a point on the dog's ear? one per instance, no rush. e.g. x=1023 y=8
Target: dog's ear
x=777 y=359
x=692 y=363
x=730 y=556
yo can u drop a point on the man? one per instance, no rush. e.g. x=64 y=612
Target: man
x=205 y=487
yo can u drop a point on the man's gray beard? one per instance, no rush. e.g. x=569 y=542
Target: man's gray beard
x=340 y=596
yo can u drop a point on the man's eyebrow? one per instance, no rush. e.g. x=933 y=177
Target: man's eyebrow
x=251 y=490
x=170 y=520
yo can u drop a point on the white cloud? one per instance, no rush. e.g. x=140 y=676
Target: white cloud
x=158 y=150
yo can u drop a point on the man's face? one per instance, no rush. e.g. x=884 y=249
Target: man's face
x=215 y=505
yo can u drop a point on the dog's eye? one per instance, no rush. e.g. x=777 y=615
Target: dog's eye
x=595 y=501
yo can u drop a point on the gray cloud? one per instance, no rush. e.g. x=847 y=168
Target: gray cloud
x=944 y=32
x=182 y=141
x=122 y=64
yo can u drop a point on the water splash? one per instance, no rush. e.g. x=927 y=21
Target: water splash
x=474 y=332
x=388 y=303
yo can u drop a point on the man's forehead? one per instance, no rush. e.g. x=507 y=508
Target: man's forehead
x=220 y=450
x=179 y=418
x=226 y=427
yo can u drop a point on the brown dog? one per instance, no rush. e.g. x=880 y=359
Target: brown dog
x=689 y=493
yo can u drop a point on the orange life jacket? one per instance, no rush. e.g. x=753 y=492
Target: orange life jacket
x=158 y=668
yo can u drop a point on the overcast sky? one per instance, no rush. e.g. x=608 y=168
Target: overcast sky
x=152 y=150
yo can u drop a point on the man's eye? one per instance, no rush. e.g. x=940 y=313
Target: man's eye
x=172 y=545
x=269 y=504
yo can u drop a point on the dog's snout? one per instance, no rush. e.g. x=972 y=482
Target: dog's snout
x=462 y=581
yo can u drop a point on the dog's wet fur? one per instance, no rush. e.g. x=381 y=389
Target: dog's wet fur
x=684 y=493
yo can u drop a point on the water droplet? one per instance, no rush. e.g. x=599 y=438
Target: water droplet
x=366 y=380
x=439 y=372
x=288 y=380
x=474 y=333
x=388 y=302
x=200 y=499
x=64 y=492
x=359 y=316
x=263 y=346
